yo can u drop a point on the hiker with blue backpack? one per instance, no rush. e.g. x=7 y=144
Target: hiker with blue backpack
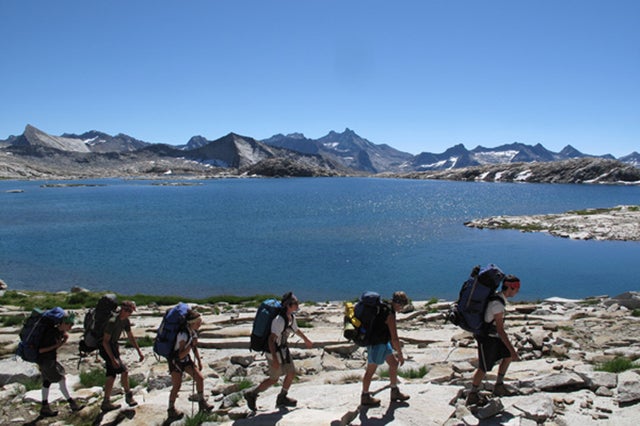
x=110 y=352
x=493 y=342
x=53 y=337
x=180 y=362
x=282 y=326
x=383 y=345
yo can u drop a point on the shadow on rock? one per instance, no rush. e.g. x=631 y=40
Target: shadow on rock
x=120 y=417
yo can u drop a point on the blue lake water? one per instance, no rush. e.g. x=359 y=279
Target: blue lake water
x=324 y=238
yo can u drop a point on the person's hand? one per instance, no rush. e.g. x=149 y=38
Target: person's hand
x=514 y=355
x=308 y=344
x=400 y=357
x=141 y=356
x=115 y=363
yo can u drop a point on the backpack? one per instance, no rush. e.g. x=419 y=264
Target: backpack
x=34 y=328
x=95 y=321
x=173 y=322
x=359 y=325
x=267 y=311
x=475 y=294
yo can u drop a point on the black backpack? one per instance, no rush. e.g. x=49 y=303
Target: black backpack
x=476 y=293
x=359 y=327
x=95 y=321
x=38 y=323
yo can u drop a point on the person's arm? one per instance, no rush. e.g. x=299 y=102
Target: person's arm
x=56 y=345
x=499 y=319
x=272 y=350
x=395 y=340
x=106 y=344
x=134 y=343
x=307 y=342
x=196 y=352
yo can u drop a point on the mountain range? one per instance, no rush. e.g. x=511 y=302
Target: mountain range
x=344 y=153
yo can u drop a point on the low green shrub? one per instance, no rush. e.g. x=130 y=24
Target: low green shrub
x=617 y=365
x=412 y=373
x=11 y=320
x=93 y=377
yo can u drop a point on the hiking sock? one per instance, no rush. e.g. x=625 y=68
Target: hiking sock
x=45 y=395
x=500 y=379
x=63 y=388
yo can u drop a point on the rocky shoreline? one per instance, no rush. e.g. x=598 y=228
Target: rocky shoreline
x=621 y=223
x=561 y=342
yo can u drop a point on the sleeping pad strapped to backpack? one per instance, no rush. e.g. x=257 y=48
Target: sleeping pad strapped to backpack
x=359 y=322
x=475 y=294
x=35 y=326
x=173 y=322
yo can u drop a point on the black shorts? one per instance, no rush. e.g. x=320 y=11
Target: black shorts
x=51 y=370
x=179 y=366
x=111 y=371
x=490 y=351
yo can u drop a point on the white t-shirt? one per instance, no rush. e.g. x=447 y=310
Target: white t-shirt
x=277 y=327
x=185 y=336
x=493 y=308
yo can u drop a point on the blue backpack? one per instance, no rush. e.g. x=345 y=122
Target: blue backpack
x=267 y=311
x=34 y=328
x=174 y=321
x=475 y=294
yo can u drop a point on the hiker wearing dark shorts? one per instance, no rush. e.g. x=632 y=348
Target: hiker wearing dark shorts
x=110 y=352
x=385 y=347
x=180 y=362
x=50 y=369
x=494 y=345
x=279 y=357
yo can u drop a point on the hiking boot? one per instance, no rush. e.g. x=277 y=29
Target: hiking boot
x=501 y=390
x=368 y=401
x=74 y=405
x=251 y=398
x=284 y=401
x=46 y=411
x=473 y=398
x=203 y=406
x=108 y=406
x=129 y=399
x=398 y=396
x=174 y=414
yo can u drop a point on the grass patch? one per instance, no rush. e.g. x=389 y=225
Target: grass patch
x=304 y=324
x=635 y=313
x=144 y=341
x=33 y=384
x=412 y=373
x=351 y=378
x=93 y=377
x=617 y=365
x=589 y=302
x=244 y=384
x=28 y=300
x=11 y=320
x=199 y=418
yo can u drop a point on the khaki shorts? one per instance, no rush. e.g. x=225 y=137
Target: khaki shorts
x=285 y=367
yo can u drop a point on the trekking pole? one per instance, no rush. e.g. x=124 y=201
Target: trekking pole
x=193 y=389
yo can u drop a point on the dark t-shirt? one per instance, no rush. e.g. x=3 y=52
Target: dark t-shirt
x=381 y=333
x=115 y=326
x=50 y=336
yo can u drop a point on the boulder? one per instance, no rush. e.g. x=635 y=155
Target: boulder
x=15 y=371
x=628 y=388
x=536 y=407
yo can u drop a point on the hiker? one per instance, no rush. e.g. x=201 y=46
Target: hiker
x=110 y=352
x=180 y=361
x=494 y=344
x=278 y=356
x=385 y=347
x=50 y=369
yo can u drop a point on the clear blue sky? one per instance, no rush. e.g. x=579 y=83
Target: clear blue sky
x=419 y=75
